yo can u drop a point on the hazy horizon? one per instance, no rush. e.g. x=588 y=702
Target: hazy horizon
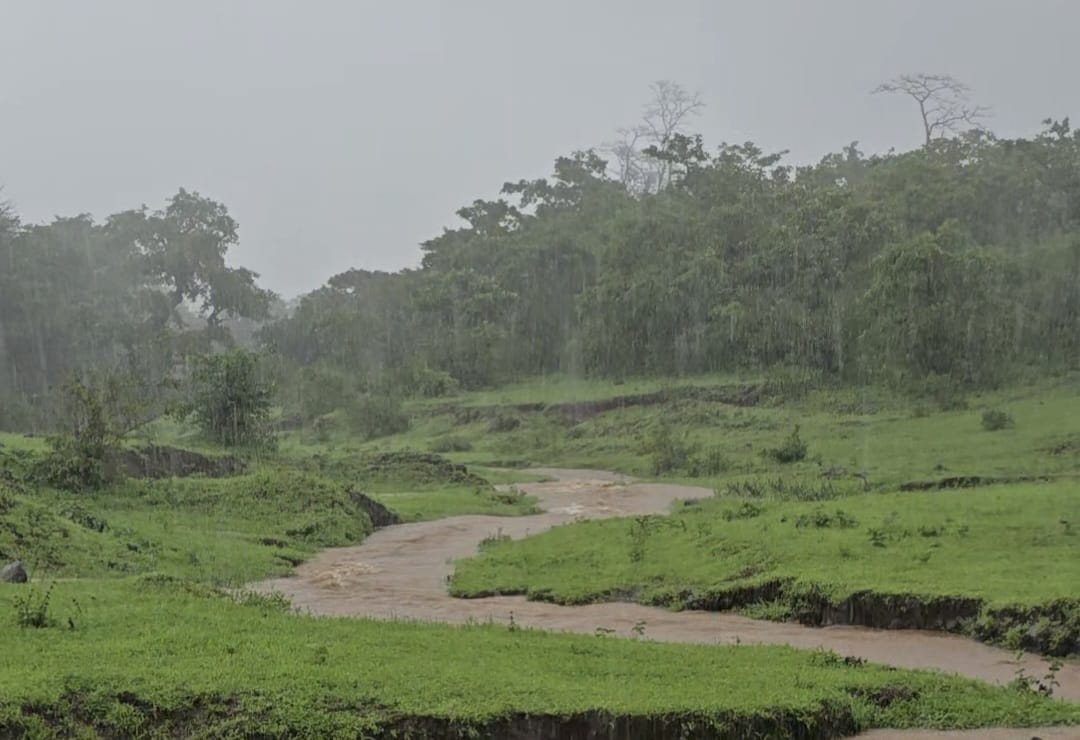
x=344 y=135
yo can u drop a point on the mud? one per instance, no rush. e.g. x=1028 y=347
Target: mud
x=988 y=733
x=157 y=461
x=575 y=412
x=971 y=481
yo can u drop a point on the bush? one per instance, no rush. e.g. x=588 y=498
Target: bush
x=667 y=452
x=708 y=462
x=503 y=423
x=450 y=443
x=794 y=449
x=430 y=383
x=97 y=412
x=321 y=390
x=377 y=415
x=229 y=396
x=996 y=419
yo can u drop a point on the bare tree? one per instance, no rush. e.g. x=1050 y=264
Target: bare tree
x=664 y=116
x=944 y=102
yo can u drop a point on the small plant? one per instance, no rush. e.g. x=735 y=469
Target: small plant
x=793 y=450
x=32 y=608
x=639 y=629
x=877 y=536
x=821 y=519
x=746 y=510
x=493 y=539
x=640 y=529
x=1045 y=685
x=995 y=419
x=604 y=631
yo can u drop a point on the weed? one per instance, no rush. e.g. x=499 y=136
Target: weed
x=746 y=510
x=1045 y=685
x=32 y=607
x=493 y=539
x=821 y=519
x=792 y=450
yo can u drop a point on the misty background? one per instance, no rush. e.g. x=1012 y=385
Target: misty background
x=342 y=134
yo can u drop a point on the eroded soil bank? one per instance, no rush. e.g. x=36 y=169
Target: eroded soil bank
x=402 y=572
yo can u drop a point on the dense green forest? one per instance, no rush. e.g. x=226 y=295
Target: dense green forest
x=955 y=265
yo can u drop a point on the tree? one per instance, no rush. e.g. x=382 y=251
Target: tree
x=183 y=249
x=664 y=116
x=943 y=101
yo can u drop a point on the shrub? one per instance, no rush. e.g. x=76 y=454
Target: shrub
x=430 y=383
x=321 y=390
x=504 y=423
x=97 y=412
x=794 y=449
x=229 y=397
x=708 y=462
x=451 y=443
x=667 y=452
x=377 y=415
x=996 y=419
x=32 y=608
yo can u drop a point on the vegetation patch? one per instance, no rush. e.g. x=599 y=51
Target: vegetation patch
x=162 y=656
x=986 y=562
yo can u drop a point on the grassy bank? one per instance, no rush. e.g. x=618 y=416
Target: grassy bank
x=866 y=438
x=231 y=529
x=1015 y=546
x=157 y=656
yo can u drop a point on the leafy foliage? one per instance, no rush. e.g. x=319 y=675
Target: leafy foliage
x=996 y=419
x=230 y=397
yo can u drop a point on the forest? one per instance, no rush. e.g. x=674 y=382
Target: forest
x=953 y=266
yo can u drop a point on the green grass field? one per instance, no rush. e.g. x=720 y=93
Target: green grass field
x=882 y=438
x=1005 y=544
x=156 y=656
x=222 y=530
x=140 y=640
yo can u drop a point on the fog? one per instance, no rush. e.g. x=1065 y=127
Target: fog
x=345 y=133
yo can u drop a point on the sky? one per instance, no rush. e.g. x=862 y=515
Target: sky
x=343 y=133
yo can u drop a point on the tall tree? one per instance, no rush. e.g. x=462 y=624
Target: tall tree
x=944 y=102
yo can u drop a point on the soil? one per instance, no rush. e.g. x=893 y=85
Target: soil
x=402 y=572
x=157 y=461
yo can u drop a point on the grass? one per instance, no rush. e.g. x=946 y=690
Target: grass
x=883 y=438
x=141 y=641
x=1016 y=545
x=155 y=654
x=225 y=530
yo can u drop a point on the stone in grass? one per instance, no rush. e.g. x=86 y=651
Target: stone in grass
x=14 y=573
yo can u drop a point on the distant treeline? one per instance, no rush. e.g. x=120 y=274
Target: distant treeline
x=956 y=264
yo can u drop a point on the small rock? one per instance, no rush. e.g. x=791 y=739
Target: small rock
x=14 y=573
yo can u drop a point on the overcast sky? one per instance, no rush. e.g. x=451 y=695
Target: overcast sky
x=342 y=133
